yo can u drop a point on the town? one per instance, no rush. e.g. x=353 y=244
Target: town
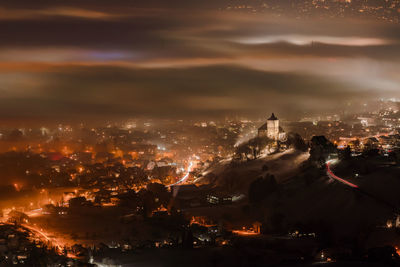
x=240 y=133
x=169 y=178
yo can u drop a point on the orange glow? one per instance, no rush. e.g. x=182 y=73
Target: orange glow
x=244 y=232
x=134 y=155
x=17 y=187
x=66 y=151
x=118 y=153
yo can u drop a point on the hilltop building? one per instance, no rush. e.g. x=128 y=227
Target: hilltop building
x=272 y=130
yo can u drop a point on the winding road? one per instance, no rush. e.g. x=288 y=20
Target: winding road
x=184 y=178
x=335 y=177
x=378 y=199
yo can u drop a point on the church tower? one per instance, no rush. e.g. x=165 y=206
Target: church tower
x=273 y=127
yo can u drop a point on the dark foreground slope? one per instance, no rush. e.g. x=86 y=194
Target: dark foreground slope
x=307 y=198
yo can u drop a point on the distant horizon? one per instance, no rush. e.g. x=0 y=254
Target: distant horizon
x=75 y=60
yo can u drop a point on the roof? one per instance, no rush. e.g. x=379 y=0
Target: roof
x=273 y=117
x=263 y=127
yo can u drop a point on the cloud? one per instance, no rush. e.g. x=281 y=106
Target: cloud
x=48 y=13
x=309 y=40
x=121 y=92
x=80 y=59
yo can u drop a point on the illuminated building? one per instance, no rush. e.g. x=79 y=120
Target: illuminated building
x=271 y=129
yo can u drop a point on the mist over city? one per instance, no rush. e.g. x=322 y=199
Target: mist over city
x=200 y=133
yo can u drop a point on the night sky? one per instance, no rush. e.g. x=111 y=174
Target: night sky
x=120 y=59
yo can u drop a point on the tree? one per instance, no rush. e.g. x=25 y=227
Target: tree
x=253 y=147
x=160 y=192
x=277 y=221
x=258 y=144
x=397 y=157
x=354 y=144
x=187 y=238
x=129 y=199
x=320 y=149
x=243 y=151
x=261 y=188
x=345 y=154
x=296 y=141
x=162 y=173
x=147 y=202
x=265 y=168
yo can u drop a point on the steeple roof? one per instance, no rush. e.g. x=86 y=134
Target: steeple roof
x=273 y=117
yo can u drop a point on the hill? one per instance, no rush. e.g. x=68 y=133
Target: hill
x=235 y=177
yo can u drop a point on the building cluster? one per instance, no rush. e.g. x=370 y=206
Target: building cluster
x=376 y=129
x=190 y=196
x=21 y=247
x=149 y=172
x=381 y=10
